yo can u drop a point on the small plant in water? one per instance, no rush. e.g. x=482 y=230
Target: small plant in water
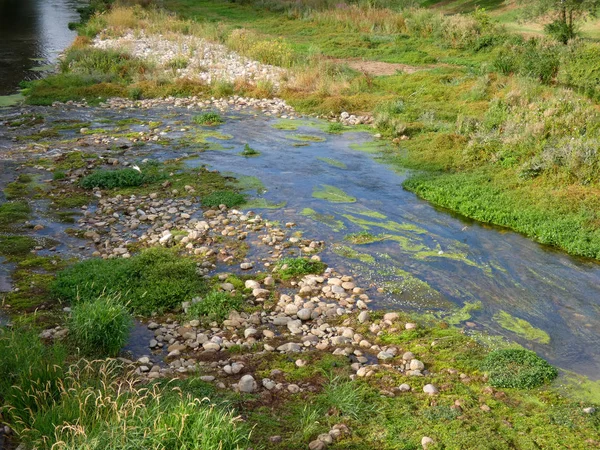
x=209 y=118
x=335 y=127
x=249 y=151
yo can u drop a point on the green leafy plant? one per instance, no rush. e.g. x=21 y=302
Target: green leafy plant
x=227 y=198
x=335 y=127
x=157 y=279
x=517 y=368
x=215 y=305
x=293 y=267
x=249 y=151
x=208 y=118
x=100 y=327
x=110 y=179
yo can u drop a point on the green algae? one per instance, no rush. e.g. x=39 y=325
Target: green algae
x=247 y=182
x=286 y=124
x=389 y=225
x=463 y=314
x=262 y=203
x=11 y=100
x=333 y=162
x=363 y=237
x=370 y=147
x=413 y=289
x=306 y=138
x=348 y=252
x=521 y=327
x=325 y=219
x=579 y=387
x=332 y=194
x=365 y=212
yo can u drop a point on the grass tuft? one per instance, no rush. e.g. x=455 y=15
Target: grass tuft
x=294 y=267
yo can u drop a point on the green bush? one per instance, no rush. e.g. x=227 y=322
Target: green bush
x=517 y=368
x=110 y=179
x=228 y=198
x=335 y=127
x=216 y=305
x=293 y=267
x=100 y=327
x=208 y=118
x=157 y=279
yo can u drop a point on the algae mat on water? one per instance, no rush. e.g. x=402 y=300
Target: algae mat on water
x=521 y=327
x=332 y=194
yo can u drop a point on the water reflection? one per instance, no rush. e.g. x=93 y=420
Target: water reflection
x=32 y=34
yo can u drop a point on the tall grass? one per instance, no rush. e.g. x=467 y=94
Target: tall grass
x=100 y=327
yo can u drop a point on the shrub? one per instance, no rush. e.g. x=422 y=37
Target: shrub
x=560 y=30
x=100 y=327
x=517 y=368
x=209 y=118
x=293 y=267
x=216 y=305
x=157 y=279
x=227 y=198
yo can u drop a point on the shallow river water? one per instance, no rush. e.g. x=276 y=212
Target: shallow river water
x=427 y=259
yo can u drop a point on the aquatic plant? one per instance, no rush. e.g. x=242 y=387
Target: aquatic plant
x=293 y=267
x=227 y=198
x=208 y=118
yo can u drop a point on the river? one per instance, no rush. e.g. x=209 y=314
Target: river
x=32 y=35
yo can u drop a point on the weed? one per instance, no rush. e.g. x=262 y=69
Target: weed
x=335 y=127
x=295 y=267
x=208 y=118
x=227 y=198
x=516 y=368
x=249 y=151
x=110 y=179
x=100 y=327
x=215 y=305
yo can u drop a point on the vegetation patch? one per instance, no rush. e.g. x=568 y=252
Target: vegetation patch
x=348 y=252
x=13 y=214
x=121 y=178
x=216 y=305
x=333 y=162
x=296 y=267
x=17 y=247
x=521 y=327
x=517 y=368
x=326 y=219
x=228 y=198
x=307 y=138
x=249 y=151
x=155 y=280
x=100 y=327
x=363 y=237
x=332 y=194
x=208 y=118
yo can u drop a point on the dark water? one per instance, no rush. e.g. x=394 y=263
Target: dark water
x=32 y=35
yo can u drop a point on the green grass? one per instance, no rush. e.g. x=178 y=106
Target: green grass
x=296 y=267
x=100 y=327
x=208 y=118
x=215 y=305
x=155 y=280
x=16 y=247
x=516 y=368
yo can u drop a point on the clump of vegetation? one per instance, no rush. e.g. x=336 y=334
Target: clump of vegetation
x=335 y=127
x=227 y=198
x=249 y=151
x=517 y=368
x=122 y=178
x=157 y=279
x=104 y=65
x=295 y=267
x=216 y=305
x=16 y=246
x=13 y=213
x=362 y=237
x=208 y=118
x=100 y=327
